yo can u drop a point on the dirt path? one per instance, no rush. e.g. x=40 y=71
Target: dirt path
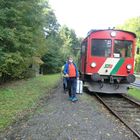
x=60 y=119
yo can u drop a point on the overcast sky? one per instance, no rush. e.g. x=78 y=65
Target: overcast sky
x=83 y=15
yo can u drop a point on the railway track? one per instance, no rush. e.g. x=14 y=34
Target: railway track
x=125 y=109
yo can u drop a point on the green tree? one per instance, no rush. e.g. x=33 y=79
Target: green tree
x=29 y=29
x=70 y=42
x=53 y=58
x=137 y=64
x=21 y=32
x=133 y=25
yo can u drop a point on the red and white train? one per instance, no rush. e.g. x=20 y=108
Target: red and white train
x=107 y=60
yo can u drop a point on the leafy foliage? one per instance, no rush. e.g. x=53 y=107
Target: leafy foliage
x=21 y=32
x=30 y=29
x=70 y=42
x=53 y=57
x=13 y=64
x=60 y=44
x=133 y=25
x=137 y=64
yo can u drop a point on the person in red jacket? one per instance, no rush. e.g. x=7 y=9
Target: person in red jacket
x=71 y=72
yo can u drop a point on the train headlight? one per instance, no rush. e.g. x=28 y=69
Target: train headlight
x=129 y=66
x=93 y=65
x=113 y=34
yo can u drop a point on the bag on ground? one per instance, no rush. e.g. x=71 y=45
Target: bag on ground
x=79 y=87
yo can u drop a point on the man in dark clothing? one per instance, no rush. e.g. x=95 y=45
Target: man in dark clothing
x=71 y=72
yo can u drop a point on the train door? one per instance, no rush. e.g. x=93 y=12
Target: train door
x=83 y=57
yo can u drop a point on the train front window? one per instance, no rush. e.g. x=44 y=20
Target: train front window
x=122 y=48
x=101 y=47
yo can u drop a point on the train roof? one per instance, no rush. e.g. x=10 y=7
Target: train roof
x=97 y=30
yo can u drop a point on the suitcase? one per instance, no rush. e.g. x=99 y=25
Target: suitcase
x=79 y=87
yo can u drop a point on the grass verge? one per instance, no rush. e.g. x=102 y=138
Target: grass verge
x=20 y=96
x=135 y=93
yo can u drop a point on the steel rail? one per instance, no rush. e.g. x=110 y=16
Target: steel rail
x=131 y=99
x=115 y=114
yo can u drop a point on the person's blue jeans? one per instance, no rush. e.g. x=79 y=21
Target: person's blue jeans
x=72 y=87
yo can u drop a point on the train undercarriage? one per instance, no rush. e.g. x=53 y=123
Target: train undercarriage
x=108 y=84
x=107 y=88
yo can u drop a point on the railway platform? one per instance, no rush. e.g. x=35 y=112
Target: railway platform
x=60 y=119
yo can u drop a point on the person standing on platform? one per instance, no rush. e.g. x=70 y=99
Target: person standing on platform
x=71 y=72
x=65 y=85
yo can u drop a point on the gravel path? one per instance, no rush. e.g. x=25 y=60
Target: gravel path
x=60 y=119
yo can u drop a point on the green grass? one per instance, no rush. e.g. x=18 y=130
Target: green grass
x=135 y=93
x=21 y=96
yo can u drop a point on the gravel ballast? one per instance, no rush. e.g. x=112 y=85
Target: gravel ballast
x=60 y=119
